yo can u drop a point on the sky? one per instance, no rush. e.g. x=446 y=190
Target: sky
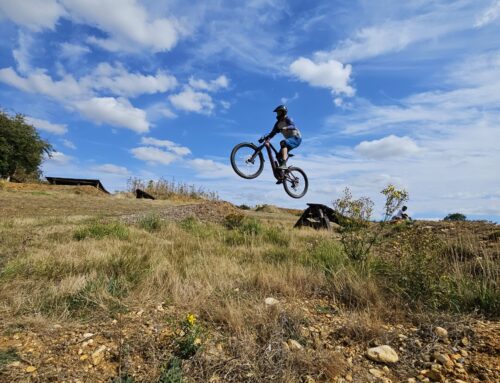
x=382 y=91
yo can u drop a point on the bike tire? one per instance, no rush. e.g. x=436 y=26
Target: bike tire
x=289 y=187
x=259 y=158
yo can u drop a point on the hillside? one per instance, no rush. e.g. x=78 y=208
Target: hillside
x=96 y=288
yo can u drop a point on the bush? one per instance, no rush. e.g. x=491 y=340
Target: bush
x=355 y=215
x=455 y=217
x=244 y=207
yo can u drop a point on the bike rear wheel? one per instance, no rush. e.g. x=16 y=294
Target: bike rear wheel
x=246 y=161
x=295 y=182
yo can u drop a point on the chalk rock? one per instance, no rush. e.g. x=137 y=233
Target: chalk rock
x=384 y=354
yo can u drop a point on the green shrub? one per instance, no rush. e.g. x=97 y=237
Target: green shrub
x=102 y=230
x=244 y=207
x=455 y=217
x=189 y=340
x=150 y=222
x=172 y=372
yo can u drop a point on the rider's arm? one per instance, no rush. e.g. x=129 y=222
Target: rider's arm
x=273 y=132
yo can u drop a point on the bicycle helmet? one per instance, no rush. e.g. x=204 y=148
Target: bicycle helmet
x=281 y=110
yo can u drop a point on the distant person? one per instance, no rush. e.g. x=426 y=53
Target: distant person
x=401 y=215
x=285 y=126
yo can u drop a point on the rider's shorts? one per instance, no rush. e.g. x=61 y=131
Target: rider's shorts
x=293 y=142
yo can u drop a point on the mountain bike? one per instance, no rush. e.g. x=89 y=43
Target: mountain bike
x=247 y=161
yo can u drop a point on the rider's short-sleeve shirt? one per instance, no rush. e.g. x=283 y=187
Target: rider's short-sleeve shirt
x=287 y=127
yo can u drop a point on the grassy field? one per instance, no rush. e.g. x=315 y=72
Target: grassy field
x=95 y=288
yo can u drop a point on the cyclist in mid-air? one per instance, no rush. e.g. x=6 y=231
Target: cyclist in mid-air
x=286 y=126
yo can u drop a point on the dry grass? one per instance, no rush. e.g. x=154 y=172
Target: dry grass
x=91 y=266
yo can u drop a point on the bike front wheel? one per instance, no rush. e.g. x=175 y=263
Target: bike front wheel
x=246 y=161
x=295 y=182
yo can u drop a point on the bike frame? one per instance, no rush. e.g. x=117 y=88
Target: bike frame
x=278 y=173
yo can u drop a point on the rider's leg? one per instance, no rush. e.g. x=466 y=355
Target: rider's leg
x=283 y=155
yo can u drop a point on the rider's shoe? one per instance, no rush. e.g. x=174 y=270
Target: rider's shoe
x=279 y=182
x=283 y=165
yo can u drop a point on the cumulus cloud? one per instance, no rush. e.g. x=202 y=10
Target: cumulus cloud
x=330 y=74
x=39 y=82
x=220 y=82
x=81 y=94
x=128 y=25
x=390 y=146
x=117 y=112
x=172 y=146
x=47 y=126
x=111 y=169
x=156 y=151
x=154 y=155
x=117 y=80
x=33 y=14
x=191 y=101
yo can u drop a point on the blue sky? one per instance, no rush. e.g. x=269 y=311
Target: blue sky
x=383 y=91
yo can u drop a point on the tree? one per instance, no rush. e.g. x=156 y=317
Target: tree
x=455 y=217
x=21 y=148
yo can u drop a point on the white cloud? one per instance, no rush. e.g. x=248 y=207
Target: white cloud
x=128 y=24
x=210 y=168
x=22 y=53
x=225 y=104
x=117 y=112
x=390 y=146
x=220 y=82
x=172 y=146
x=80 y=94
x=119 y=81
x=69 y=144
x=154 y=155
x=488 y=16
x=192 y=101
x=33 y=14
x=47 y=126
x=288 y=100
x=39 y=82
x=111 y=169
x=391 y=36
x=59 y=158
x=73 y=51
x=330 y=74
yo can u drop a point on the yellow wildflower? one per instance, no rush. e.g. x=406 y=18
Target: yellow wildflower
x=191 y=319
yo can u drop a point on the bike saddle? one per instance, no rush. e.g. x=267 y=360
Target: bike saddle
x=290 y=155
